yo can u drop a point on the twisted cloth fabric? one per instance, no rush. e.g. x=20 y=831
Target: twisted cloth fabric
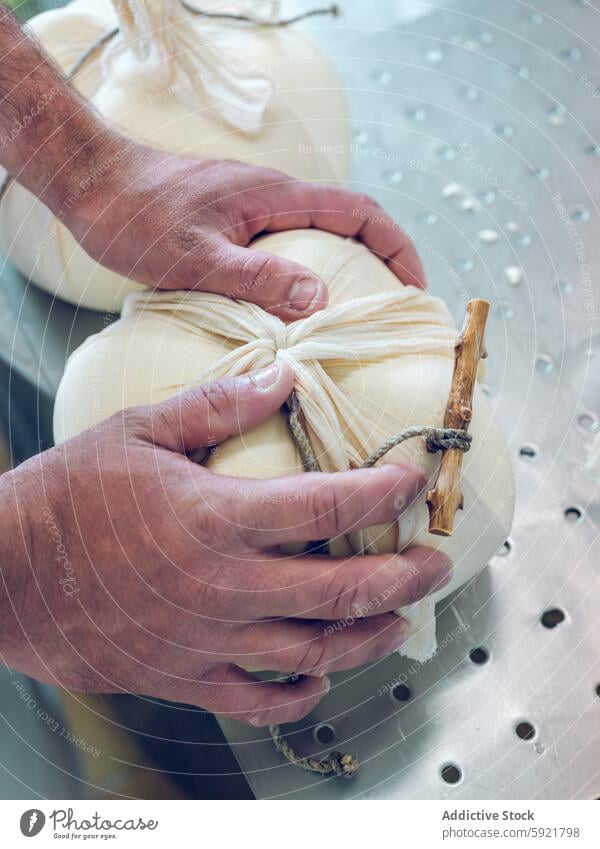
x=375 y=363
x=368 y=329
x=158 y=45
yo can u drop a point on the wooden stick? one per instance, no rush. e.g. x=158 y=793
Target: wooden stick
x=446 y=497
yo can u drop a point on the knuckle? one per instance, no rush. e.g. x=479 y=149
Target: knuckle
x=256 y=270
x=276 y=175
x=327 y=511
x=216 y=398
x=220 y=533
x=414 y=583
x=310 y=656
x=347 y=597
x=160 y=422
x=266 y=177
x=133 y=420
x=366 y=201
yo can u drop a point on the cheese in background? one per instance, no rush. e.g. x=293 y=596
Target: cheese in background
x=183 y=83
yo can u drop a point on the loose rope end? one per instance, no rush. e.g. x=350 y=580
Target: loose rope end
x=342 y=765
x=345 y=766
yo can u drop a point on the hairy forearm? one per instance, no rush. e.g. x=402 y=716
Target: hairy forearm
x=32 y=568
x=49 y=137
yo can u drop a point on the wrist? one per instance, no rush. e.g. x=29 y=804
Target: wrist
x=88 y=199
x=90 y=149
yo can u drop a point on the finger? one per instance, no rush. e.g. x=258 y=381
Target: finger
x=332 y=588
x=300 y=205
x=235 y=693
x=282 y=287
x=208 y=415
x=301 y=648
x=316 y=505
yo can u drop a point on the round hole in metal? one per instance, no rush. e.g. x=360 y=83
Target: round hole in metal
x=465 y=263
x=360 y=136
x=552 y=617
x=528 y=451
x=451 y=773
x=514 y=275
x=504 y=309
x=589 y=422
x=505 y=549
x=544 y=363
x=479 y=656
x=573 y=514
x=401 y=693
x=540 y=172
x=324 y=733
x=597 y=690
x=579 y=213
x=525 y=730
x=418 y=114
x=565 y=286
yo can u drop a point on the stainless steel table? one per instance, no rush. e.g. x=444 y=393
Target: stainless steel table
x=478 y=125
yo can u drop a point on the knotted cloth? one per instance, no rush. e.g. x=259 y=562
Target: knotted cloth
x=331 y=436
x=376 y=362
x=367 y=329
x=343 y=432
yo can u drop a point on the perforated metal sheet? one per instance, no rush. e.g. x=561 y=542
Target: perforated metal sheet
x=478 y=125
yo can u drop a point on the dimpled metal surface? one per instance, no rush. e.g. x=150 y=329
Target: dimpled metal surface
x=477 y=124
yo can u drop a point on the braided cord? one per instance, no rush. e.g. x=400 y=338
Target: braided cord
x=436 y=439
x=335 y=763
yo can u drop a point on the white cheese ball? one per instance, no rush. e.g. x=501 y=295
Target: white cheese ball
x=155 y=350
x=201 y=87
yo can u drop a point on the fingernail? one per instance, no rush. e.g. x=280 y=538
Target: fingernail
x=256 y=720
x=265 y=378
x=420 y=476
x=305 y=294
x=326 y=685
x=358 y=611
x=400 y=635
x=443 y=575
x=406 y=497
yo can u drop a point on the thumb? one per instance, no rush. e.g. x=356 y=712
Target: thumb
x=282 y=287
x=208 y=415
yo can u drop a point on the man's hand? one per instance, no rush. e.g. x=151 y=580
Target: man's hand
x=127 y=567
x=175 y=222
x=167 y=220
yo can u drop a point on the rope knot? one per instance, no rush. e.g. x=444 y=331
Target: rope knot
x=442 y=439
